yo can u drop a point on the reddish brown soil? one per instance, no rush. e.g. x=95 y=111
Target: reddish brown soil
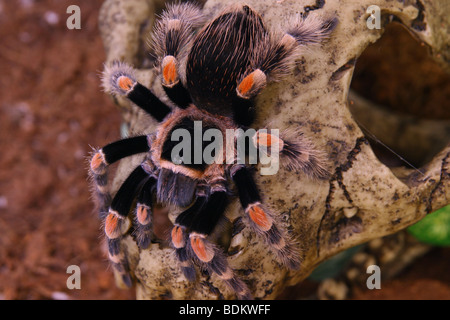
x=427 y=279
x=51 y=111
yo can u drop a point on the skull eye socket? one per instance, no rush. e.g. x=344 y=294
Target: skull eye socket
x=398 y=96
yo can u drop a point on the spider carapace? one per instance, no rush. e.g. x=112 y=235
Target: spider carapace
x=212 y=71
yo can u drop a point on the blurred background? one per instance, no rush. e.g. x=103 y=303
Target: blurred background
x=52 y=111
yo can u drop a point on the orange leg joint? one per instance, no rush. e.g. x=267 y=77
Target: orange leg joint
x=251 y=84
x=169 y=71
x=125 y=83
x=143 y=215
x=98 y=163
x=260 y=218
x=178 y=237
x=267 y=140
x=113 y=225
x=204 y=252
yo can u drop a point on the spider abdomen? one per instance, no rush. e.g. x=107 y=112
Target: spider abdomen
x=221 y=53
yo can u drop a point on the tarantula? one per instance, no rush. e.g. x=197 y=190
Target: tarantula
x=213 y=76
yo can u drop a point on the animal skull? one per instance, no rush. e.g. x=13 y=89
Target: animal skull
x=363 y=200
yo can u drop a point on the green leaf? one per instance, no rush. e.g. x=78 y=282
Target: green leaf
x=434 y=229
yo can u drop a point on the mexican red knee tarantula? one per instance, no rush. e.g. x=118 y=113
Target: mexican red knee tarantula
x=213 y=76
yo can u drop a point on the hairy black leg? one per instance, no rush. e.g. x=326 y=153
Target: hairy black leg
x=189 y=237
x=171 y=42
x=210 y=255
x=296 y=152
x=107 y=155
x=148 y=102
x=180 y=236
x=179 y=95
x=270 y=61
x=243 y=111
x=117 y=223
x=119 y=79
x=124 y=148
x=311 y=29
x=144 y=215
x=170 y=79
x=206 y=219
x=119 y=262
x=261 y=220
x=273 y=59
